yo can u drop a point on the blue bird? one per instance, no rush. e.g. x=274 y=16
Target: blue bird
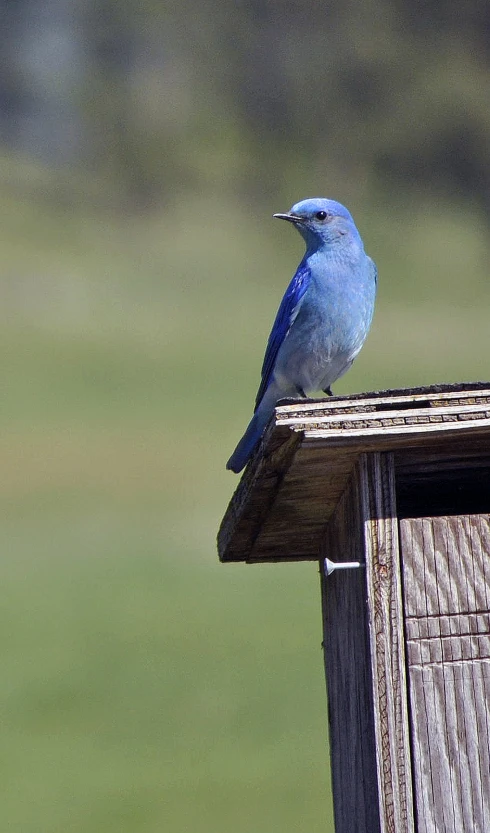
x=323 y=319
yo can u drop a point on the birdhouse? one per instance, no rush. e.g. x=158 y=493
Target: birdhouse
x=395 y=486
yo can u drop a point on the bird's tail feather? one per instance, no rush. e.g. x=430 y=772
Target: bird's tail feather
x=246 y=446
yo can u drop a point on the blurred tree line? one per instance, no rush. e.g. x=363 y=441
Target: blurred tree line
x=158 y=97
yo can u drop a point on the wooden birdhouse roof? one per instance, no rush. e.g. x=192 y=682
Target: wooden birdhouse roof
x=440 y=436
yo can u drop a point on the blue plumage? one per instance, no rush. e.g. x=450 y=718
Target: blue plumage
x=323 y=319
x=284 y=318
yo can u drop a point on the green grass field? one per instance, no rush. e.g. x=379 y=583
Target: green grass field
x=145 y=687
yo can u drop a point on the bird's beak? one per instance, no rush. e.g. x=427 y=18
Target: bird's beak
x=291 y=218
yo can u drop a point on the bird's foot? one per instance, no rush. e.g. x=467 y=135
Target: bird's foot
x=328 y=391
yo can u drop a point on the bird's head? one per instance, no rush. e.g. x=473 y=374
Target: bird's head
x=322 y=222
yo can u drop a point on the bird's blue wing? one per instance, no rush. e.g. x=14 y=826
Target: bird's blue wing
x=284 y=318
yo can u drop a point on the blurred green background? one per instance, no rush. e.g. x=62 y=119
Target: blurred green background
x=144 y=149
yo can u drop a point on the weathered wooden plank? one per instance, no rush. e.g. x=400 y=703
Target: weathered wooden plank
x=385 y=617
x=255 y=494
x=348 y=674
x=447 y=595
x=390 y=429
x=364 y=659
x=468 y=393
x=310 y=491
x=384 y=414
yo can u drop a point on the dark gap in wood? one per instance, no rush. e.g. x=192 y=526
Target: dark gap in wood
x=437 y=493
x=403 y=406
x=411 y=738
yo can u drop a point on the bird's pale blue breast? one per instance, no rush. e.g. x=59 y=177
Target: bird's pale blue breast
x=284 y=318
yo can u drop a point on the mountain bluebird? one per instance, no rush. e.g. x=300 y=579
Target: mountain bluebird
x=323 y=318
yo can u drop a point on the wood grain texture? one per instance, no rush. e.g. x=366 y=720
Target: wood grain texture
x=348 y=674
x=249 y=507
x=385 y=617
x=447 y=602
x=364 y=658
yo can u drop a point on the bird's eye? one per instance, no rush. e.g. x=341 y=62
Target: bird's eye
x=321 y=215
